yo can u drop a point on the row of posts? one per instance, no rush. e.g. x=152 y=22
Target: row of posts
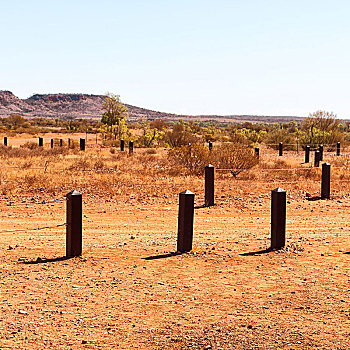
x=307 y=151
x=318 y=156
x=186 y=214
x=81 y=144
x=318 y=153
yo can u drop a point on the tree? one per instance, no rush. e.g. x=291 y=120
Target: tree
x=115 y=115
x=321 y=127
x=178 y=136
x=150 y=135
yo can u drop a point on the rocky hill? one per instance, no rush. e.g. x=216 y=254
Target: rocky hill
x=90 y=106
x=67 y=105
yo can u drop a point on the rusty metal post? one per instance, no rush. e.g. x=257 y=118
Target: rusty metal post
x=185 y=221
x=210 y=145
x=280 y=149
x=257 y=151
x=278 y=218
x=326 y=181
x=68 y=143
x=82 y=144
x=5 y=141
x=320 y=148
x=61 y=143
x=209 y=185
x=338 y=148
x=41 y=142
x=131 y=147
x=317 y=159
x=122 y=145
x=51 y=143
x=74 y=235
x=307 y=154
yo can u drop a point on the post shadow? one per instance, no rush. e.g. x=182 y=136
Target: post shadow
x=259 y=252
x=46 y=260
x=162 y=256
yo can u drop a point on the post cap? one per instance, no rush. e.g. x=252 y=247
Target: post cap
x=73 y=193
x=209 y=166
x=278 y=189
x=187 y=192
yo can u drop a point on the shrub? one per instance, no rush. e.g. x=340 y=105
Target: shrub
x=234 y=156
x=30 y=145
x=273 y=138
x=179 y=137
x=193 y=158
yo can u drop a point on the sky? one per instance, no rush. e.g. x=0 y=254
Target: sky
x=196 y=57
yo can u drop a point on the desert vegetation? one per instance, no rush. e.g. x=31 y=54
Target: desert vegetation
x=128 y=290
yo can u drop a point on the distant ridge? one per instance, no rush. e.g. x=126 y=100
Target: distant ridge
x=64 y=105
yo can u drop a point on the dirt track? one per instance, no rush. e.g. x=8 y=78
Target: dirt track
x=127 y=292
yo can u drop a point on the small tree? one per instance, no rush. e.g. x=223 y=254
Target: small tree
x=178 y=136
x=321 y=127
x=150 y=136
x=115 y=115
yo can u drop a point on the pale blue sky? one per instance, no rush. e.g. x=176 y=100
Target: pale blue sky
x=262 y=57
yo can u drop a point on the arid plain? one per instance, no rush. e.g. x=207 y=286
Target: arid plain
x=127 y=291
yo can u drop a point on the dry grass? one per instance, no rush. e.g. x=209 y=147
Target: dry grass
x=148 y=174
x=215 y=297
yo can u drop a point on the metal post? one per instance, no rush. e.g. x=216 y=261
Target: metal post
x=257 y=151
x=82 y=144
x=68 y=143
x=209 y=185
x=326 y=181
x=321 y=152
x=131 y=147
x=210 y=145
x=297 y=147
x=185 y=221
x=338 y=148
x=74 y=236
x=61 y=143
x=41 y=142
x=280 y=149
x=317 y=159
x=278 y=218
x=307 y=154
x=122 y=145
x=5 y=141
x=51 y=143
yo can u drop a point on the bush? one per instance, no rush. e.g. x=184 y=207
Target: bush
x=273 y=138
x=179 y=137
x=30 y=145
x=234 y=156
x=193 y=158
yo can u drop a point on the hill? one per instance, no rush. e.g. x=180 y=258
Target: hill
x=90 y=106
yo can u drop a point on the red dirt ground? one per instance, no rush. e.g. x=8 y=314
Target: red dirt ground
x=127 y=292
